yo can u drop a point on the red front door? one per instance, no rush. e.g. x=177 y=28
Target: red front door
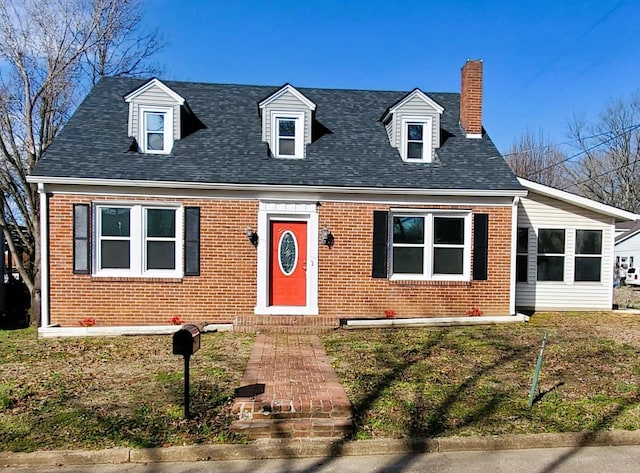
x=288 y=264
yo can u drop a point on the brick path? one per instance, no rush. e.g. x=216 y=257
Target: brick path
x=289 y=389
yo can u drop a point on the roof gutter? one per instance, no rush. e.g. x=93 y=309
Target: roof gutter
x=272 y=187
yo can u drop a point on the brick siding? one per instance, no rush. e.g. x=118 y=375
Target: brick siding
x=226 y=288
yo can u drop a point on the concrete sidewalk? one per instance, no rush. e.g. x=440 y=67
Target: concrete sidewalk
x=277 y=449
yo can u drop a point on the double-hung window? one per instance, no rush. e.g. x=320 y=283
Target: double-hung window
x=138 y=240
x=551 y=250
x=288 y=134
x=417 y=139
x=588 y=257
x=156 y=130
x=431 y=246
x=286 y=137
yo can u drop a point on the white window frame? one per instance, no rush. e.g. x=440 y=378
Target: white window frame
x=564 y=256
x=299 y=118
x=427 y=138
x=577 y=255
x=138 y=242
x=429 y=245
x=168 y=128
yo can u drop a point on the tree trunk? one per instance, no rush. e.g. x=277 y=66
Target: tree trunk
x=36 y=290
x=34 y=310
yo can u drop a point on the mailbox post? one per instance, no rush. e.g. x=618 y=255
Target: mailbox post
x=186 y=341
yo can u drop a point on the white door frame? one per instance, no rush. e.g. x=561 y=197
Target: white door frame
x=287 y=211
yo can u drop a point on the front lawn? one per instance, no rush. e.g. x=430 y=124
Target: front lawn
x=94 y=393
x=476 y=380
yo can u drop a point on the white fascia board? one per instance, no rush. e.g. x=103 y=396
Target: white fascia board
x=627 y=235
x=154 y=82
x=288 y=88
x=415 y=93
x=274 y=188
x=618 y=214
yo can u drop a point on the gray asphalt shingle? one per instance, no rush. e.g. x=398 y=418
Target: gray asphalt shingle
x=354 y=151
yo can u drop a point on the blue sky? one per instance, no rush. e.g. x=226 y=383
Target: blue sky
x=544 y=61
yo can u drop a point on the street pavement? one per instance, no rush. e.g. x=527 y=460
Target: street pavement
x=621 y=459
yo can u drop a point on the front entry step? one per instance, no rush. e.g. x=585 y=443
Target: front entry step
x=294 y=428
x=298 y=324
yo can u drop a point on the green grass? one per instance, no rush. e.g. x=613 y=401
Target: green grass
x=476 y=380
x=93 y=393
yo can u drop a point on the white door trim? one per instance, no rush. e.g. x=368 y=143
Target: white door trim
x=302 y=211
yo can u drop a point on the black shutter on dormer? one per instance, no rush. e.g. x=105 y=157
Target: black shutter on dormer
x=480 y=246
x=81 y=239
x=192 y=241
x=380 y=243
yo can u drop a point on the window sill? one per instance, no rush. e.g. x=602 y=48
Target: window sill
x=136 y=279
x=425 y=282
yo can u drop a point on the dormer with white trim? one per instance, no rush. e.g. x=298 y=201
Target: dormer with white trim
x=154 y=117
x=413 y=126
x=287 y=117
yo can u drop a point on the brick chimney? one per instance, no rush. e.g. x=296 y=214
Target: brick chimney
x=471 y=99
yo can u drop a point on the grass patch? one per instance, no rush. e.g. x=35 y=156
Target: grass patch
x=114 y=392
x=461 y=381
x=94 y=393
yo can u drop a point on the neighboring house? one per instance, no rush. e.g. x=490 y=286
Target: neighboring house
x=564 y=250
x=627 y=246
x=225 y=203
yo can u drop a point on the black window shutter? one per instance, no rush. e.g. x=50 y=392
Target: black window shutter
x=380 y=239
x=480 y=246
x=192 y=241
x=81 y=240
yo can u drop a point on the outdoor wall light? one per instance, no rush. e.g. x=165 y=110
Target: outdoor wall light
x=252 y=236
x=327 y=237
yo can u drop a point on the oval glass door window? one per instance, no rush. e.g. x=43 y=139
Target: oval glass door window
x=288 y=253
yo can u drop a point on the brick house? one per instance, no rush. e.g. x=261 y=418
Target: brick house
x=230 y=203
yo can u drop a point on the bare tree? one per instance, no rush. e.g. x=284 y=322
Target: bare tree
x=122 y=47
x=46 y=49
x=535 y=159
x=609 y=167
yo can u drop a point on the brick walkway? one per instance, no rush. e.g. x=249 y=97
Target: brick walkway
x=289 y=389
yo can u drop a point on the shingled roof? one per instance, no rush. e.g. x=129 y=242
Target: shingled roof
x=350 y=147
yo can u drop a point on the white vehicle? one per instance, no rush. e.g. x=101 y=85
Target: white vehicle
x=633 y=277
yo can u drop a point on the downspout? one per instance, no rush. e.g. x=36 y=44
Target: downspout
x=514 y=247
x=44 y=257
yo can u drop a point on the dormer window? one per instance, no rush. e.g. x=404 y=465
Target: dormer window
x=155 y=113
x=156 y=134
x=416 y=136
x=413 y=126
x=286 y=137
x=287 y=116
x=287 y=141
x=415 y=142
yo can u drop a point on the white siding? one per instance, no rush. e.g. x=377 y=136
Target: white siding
x=416 y=107
x=389 y=128
x=153 y=97
x=287 y=102
x=539 y=212
x=630 y=248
